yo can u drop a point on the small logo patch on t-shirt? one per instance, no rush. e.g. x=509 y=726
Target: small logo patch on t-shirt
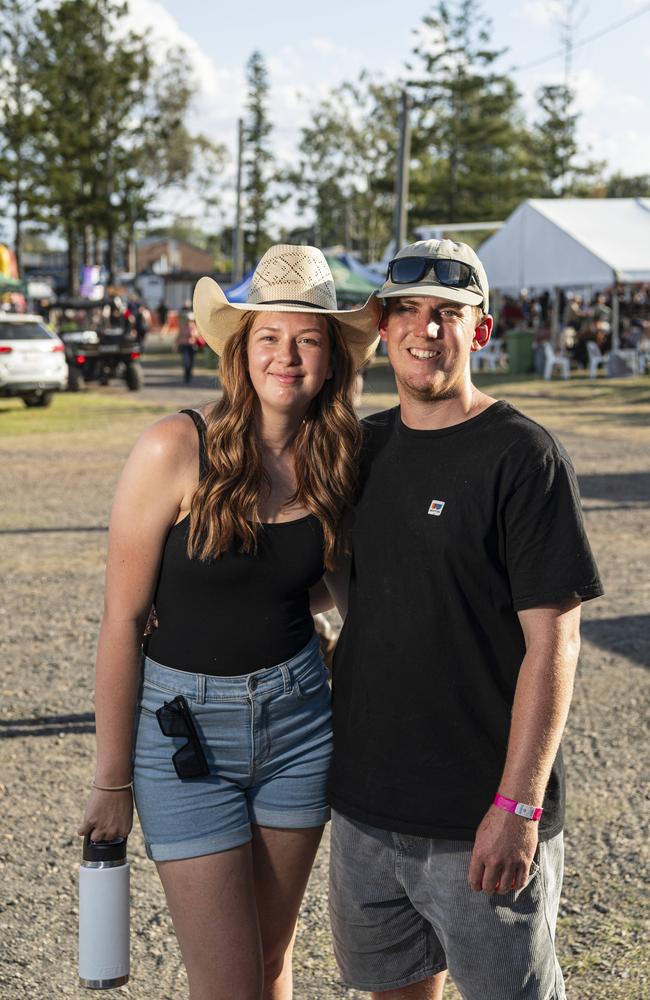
x=436 y=507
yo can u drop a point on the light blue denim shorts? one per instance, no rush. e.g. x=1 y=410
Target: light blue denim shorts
x=267 y=740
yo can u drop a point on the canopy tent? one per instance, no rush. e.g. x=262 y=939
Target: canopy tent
x=570 y=243
x=239 y=292
x=8 y=284
x=553 y=243
x=351 y=287
x=375 y=275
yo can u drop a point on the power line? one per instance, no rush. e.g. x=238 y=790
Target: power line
x=584 y=41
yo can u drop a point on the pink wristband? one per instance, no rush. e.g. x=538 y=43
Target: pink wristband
x=519 y=808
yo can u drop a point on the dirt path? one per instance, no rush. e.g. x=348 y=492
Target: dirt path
x=55 y=497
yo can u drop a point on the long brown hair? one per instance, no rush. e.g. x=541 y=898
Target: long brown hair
x=225 y=507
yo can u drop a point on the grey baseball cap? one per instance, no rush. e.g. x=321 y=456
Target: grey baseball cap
x=475 y=293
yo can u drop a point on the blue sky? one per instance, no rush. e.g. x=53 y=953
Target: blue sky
x=310 y=48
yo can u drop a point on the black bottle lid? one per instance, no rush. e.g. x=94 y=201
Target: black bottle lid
x=104 y=850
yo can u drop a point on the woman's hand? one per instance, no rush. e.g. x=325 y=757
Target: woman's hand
x=108 y=815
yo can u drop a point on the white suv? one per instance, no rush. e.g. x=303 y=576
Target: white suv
x=32 y=360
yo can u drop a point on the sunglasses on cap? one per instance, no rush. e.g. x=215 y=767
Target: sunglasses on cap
x=175 y=719
x=455 y=273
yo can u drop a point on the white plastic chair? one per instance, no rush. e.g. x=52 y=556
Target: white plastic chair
x=489 y=356
x=596 y=358
x=487 y=359
x=553 y=360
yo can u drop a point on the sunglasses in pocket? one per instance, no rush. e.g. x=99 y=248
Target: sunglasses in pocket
x=175 y=719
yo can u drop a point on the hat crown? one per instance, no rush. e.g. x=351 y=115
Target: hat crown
x=476 y=293
x=296 y=274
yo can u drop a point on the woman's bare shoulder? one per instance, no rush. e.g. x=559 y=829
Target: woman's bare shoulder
x=170 y=440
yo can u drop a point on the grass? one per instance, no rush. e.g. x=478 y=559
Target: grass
x=74 y=412
x=602 y=407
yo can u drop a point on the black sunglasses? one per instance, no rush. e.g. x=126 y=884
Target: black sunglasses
x=175 y=719
x=455 y=273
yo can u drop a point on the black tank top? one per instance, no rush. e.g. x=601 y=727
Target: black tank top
x=240 y=612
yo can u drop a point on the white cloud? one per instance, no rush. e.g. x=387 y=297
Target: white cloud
x=538 y=12
x=220 y=92
x=590 y=90
x=627 y=152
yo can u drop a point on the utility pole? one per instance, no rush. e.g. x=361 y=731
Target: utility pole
x=237 y=240
x=402 y=175
x=568 y=19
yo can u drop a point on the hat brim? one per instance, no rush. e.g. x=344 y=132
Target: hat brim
x=462 y=295
x=217 y=319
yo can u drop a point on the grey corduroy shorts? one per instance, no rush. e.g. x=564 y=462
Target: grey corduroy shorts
x=402 y=910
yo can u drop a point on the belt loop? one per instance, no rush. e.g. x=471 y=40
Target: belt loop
x=200 y=689
x=286 y=677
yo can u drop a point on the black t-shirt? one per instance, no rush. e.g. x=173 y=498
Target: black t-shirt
x=455 y=531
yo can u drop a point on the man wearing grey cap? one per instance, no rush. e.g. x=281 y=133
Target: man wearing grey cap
x=454 y=670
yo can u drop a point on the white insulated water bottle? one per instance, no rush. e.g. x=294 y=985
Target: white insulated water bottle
x=104 y=915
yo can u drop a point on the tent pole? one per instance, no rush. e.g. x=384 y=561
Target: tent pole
x=400 y=219
x=237 y=240
x=555 y=318
x=615 y=319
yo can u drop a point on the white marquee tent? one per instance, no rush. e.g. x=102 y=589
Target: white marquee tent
x=553 y=243
x=570 y=243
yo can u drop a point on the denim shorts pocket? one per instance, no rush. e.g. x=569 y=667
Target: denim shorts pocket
x=311 y=683
x=152 y=698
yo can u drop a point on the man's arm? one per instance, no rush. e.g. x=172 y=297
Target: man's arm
x=505 y=843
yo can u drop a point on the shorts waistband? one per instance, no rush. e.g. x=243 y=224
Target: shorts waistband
x=210 y=687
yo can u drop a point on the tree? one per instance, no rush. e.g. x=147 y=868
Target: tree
x=345 y=176
x=620 y=186
x=557 y=146
x=114 y=129
x=198 y=193
x=473 y=153
x=189 y=167
x=258 y=169
x=89 y=85
x=20 y=120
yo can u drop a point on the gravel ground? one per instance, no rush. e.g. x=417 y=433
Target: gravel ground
x=55 y=495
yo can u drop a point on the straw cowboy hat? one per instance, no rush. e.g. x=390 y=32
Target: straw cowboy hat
x=287 y=279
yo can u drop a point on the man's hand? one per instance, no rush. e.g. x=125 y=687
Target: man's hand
x=503 y=851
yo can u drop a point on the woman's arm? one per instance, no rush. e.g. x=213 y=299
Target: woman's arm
x=151 y=492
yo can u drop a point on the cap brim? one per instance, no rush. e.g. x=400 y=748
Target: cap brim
x=217 y=319
x=462 y=295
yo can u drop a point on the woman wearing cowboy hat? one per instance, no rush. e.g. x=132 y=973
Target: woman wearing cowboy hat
x=225 y=519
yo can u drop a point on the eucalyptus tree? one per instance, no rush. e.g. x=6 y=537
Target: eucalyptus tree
x=620 y=185
x=345 y=176
x=474 y=155
x=20 y=119
x=259 y=169
x=114 y=130
x=565 y=164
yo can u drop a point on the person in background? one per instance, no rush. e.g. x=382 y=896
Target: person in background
x=187 y=340
x=141 y=323
x=163 y=313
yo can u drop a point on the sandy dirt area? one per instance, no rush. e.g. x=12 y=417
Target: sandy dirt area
x=56 y=489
